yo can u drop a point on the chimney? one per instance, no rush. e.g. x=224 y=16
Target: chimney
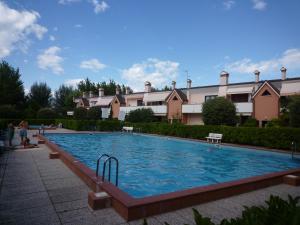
x=283 y=73
x=84 y=94
x=173 y=84
x=188 y=83
x=101 y=92
x=91 y=94
x=127 y=90
x=256 y=73
x=147 y=86
x=224 y=78
x=117 y=90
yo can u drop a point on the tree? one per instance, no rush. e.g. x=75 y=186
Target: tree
x=80 y=113
x=219 y=111
x=11 y=87
x=86 y=86
x=46 y=113
x=63 y=100
x=294 y=111
x=141 y=115
x=39 y=96
x=94 y=113
x=8 y=111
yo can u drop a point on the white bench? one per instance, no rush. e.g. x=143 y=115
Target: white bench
x=127 y=129
x=214 y=136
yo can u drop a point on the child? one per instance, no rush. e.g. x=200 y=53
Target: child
x=28 y=145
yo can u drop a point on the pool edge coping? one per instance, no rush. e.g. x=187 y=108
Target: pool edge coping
x=135 y=208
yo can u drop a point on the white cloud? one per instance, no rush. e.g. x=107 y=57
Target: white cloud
x=228 y=4
x=65 y=2
x=100 y=7
x=259 y=4
x=290 y=59
x=158 y=72
x=50 y=59
x=52 y=38
x=92 y=64
x=78 y=26
x=16 y=27
x=73 y=82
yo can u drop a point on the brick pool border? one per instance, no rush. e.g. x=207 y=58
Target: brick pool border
x=135 y=208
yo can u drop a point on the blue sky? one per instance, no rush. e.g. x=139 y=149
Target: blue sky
x=131 y=41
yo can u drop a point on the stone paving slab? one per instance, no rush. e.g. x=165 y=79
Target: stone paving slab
x=38 y=190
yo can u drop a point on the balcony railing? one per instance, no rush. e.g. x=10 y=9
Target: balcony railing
x=244 y=108
x=192 y=108
x=159 y=110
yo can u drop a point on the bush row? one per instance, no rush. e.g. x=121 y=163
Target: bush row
x=95 y=125
x=280 y=138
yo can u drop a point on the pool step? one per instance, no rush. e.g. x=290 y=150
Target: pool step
x=53 y=155
x=291 y=180
x=99 y=200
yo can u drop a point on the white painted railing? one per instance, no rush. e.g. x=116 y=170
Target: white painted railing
x=159 y=110
x=244 y=107
x=192 y=108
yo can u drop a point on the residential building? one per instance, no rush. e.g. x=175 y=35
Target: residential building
x=258 y=99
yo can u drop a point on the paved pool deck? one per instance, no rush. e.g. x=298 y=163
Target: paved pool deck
x=37 y=190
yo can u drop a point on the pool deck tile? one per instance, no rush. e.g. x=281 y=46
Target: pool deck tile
x=38 y=190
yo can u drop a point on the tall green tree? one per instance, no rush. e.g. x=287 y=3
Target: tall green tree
x=219 y=111
x=63 y=99
x=39 y=96
x=11 y=86
x=294 y=111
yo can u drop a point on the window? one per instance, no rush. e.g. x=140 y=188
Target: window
x=139 y=102
x=266 y=93
x=175 y=98
x=116 y=102
x=209 y=97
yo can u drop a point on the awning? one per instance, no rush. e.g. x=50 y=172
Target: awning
x=239 y=90
x=156 y=96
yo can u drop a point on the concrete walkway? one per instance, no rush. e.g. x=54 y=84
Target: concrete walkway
x=37 y=190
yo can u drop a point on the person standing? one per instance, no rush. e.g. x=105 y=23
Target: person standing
x=23 y=131
x=11 y=133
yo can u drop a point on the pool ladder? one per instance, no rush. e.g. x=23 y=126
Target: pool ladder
x=293 y=148
x=108 y=159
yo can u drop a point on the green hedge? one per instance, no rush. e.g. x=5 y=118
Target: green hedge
x=5 y=122
x=97 y=125
x=279 y=138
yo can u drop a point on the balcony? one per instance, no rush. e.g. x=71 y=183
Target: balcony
x=159 y=110
x=192 y=108
x=244 y=108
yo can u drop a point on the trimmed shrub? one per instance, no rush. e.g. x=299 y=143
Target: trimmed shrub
x=219 y=111
x=94 y=113
x=280 y=138
x=250 y=122
x=80 y=113
x=294 y=111
x=46 y=113
x=141 y=116
x=94 y=125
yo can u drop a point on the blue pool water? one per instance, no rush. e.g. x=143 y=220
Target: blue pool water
x=151 y=165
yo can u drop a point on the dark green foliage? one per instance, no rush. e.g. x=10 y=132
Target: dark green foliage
x=294 y=111
x=250 y=122
x=46 y=113
x=11 y=87
x=8 y=111
x=219 y=111
x=281 y=121
x=279 y=138
x=276 y=212
x=141 y=115
x=80 y=113
x=63 y=101
x=39 y=96
x=99 y=125
x=94 y=113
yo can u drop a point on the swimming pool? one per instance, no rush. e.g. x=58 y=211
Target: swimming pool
x=152 y=165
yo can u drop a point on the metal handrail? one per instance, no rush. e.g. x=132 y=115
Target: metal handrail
x=98 y=162
x=109 y=168
x=294 y=148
